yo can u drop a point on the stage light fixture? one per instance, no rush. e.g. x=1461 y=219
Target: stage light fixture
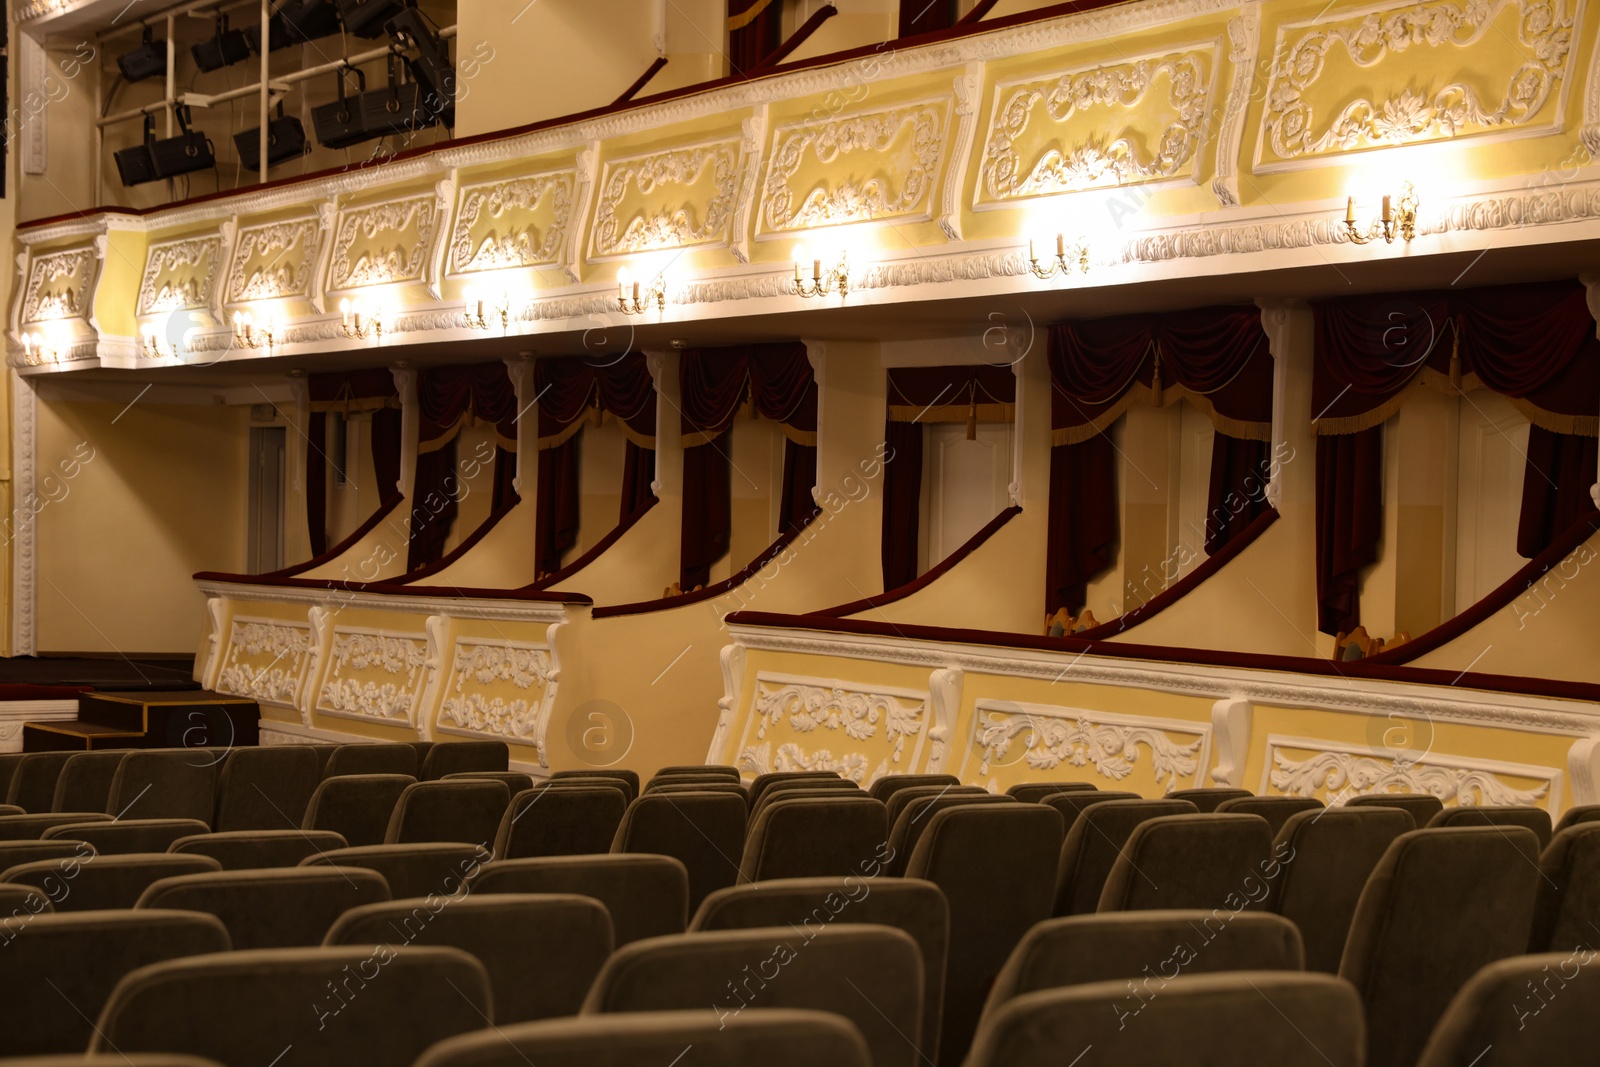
x=366 y=18
x=146 y=61
x=286 y=140
x=296 y=22
x=136 y=165
x=431 y=67
x=226 y=47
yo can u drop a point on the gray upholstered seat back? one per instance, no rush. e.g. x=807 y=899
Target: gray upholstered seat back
x=106 y=881
x=629 y=779
x=271 y=908
x=763 y=782
x=1276 y=810
x=1193 y=861
x=372 y=759
x=1207 y=798
x=1329 y=855
x=771 y=1037
x=125 y=836
x=1072 y=804
x=815 y=837
x=357 y=807
x=239 y=850
x=890 y=784
x=1566 y=910
x=59 y=969
x=778 y=967
x=445 y=758
x=19 y=900
x=423 y=869
x=33 y=782
x=1535 y=819
x=827 y=785
x=66 y=853
x=912 y=905
x=516 y=781
x=165 y=784
x=1439 y=906
x=542 y=951
x=704 y=831
x=996 y=864
x=899 y=798
x=84 y=783
x=1091 y=847
x=1521 y=1011
x=646 y=895
x=266 y=788
x=917 y=813
x=1577 y=815
x=1243 y=1019
x=462 y=809
x=1422 y=806
x=1036 y=792
x=334 y=1007
x=1136 y=945
x=560 y=821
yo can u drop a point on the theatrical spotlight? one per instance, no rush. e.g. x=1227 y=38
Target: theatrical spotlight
x=286 y=140
x=224 y=48
x=365 y=18
x=431 y=67
x=166 y=157
x=296 y=22
x=147 y=61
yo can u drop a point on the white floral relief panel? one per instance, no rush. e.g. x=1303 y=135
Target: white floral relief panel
x=179 y=274
x=274 y=260
x=499 y=689
x=673 y=199
x=1334 y=771
x=1136 y=120
x=1402 y=73
x=810 y=724
x=58 y=285
x=374 y=674
x=265 y=659
x=1013 y=742
x=519 y=222
x=384 y=243
x=862 y=167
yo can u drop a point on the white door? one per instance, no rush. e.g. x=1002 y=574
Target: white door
x=1492 y=459
x=964 y=484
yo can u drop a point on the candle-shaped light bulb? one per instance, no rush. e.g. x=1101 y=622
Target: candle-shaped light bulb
x=344 y=312
x=1350 y=211
x=1033 y=254
x=1388 y=212
x=1061 y=246
x=816 y=270
x=622 y=283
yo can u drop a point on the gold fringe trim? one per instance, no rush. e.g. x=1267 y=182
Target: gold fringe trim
x=1169 y=395
x=1456 y=384
x=556 y=440
x=745 y=18
x=961 y=413
x=366 y=403
x=466 y=420
x=804 y=438
x=588 y=417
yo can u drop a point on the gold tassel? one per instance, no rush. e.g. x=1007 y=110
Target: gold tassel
x=1455 y=357
x=972 y=418
x=1155 y=382
x=598 y=416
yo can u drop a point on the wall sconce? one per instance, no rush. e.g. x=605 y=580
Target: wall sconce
x=1397 y=220
x=657 y=294
x=360 y=320
x=1065 y=262
x=155 y=347
x=41 y=348
x=246 y=333
x=821 y=282
x=480 y=311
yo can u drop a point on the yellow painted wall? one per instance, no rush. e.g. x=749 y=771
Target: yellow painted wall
x=160 y=485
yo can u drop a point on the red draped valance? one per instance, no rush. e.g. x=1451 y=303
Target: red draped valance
x=1533 y=343
x=571 y=386
x=1217 y=357
x=451 y=397
x=968 y=393
x=776 y=378
x=353 y=390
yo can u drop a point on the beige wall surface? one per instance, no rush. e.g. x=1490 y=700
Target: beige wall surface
x=134 y=500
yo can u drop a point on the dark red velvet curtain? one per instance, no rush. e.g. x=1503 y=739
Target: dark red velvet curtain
x=1349 y=523
x=1534 y=343
x=902 y=502
x=778 y=382
x=317 y=482
x=560 y=497
x=1555 y=488
x=925 y=16
x=435 y=499
x=755 y=30
x=1083 y=527
x=797 y=506
x=570 y=386
x=707 y=510
x=503 y=493
x=638 y=472
x=386 y=448
x=1239 y=476
x=481 y=390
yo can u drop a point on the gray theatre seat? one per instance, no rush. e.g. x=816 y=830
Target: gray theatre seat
x=1522 y=1011
x=1535 y=819
x=357 y=807
x=271 y=908
x=126 y=836
x=646 y=896
x=1192 y=861
x=566 y=820
x=115 y=881
x=462 y=809
x=1566 y=911
x=1091 y=848
x=266 y=788
x=239 y=850
x=703 y=831
x=431 y=868
x=814 y=837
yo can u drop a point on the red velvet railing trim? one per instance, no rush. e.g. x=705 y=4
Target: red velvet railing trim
x=715 y=590
x=1507 y=592
x=1357 y=669
x=834 y=58
x=944 y=566
x=1185 y=585
x=392 y=589
x=467 y=545
x=271 y=577
x=599 y=548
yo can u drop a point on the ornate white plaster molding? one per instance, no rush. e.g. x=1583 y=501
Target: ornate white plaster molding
x=480 y=664
x=454 y=607
x=1111 y=744
x=1344 y=770
x=789 y=706
x=676 y=224
x=24 y=523
x=588 y=167
x=48 y=267
x=968 y=94
x=1275 y=688
x=944 y=695
x=287 y=644
x=1230 y=727
x=1583 y=763
x=347 y=688
x=751 y=147
x=516 y=247
x=281 y=275
x=1244 y=45
x=175 y=255
x=407 y=262
x=732 y=660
